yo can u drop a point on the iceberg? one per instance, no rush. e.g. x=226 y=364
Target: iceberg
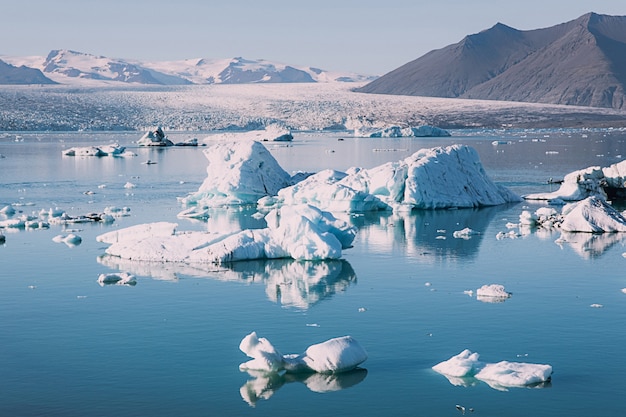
x=341 y=354
x=300 y=232
x=437 y=178
x=465 y=367
x=155 y=137
x=237 y=174
x=492 y=293
x=404 y=132
x=589 y=182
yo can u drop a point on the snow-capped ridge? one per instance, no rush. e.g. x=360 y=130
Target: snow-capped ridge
x=66 y=66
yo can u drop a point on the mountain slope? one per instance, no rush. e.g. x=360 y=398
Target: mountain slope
x=10 y=74
x=582 y=62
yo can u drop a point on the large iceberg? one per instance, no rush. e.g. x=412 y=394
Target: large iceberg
x=592 y=181
x=465 y=366
x=336 y=355
x=238 y=173
x=437 y=178
x=300 y=232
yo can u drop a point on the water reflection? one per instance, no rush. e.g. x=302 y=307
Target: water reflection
x=263 y=385
x=590 y=245
x=426 y=234
x=470 y=381
x=290 y=283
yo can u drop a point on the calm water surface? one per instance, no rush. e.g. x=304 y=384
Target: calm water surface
x=169 y=345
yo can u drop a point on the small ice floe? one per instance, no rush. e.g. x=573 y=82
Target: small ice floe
x=596 y=305
x=258 y=215
x=70 y=240
x=492 y=293
x=465 y=233
x=511 y=234
x=465 y=368
x=117 y=211
x=129 y=185
x=188 y=142
x=623 y=290
x=104 y=150
x=336 y=355
x=362 y=310
x=469 y=292
x=120 y=278
x=149 y=162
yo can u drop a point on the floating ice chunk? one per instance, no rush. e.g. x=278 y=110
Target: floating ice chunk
x=84 y=151
x=492 y=293
x=129 y=185
x=117 y=211
x=336 y=355
x=461 y=365
x=460 y=369
x=340 y=354
x=70 y=240
x=465 y=233
x=121 y=278
x=514 y=374
x=264 y=354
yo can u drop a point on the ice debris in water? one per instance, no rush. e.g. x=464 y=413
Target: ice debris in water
x=460 y=369
x=70 y=240
x=120 y=278
x=591 y=215
x=464 y=233
x=492 y=293
x=336 y=355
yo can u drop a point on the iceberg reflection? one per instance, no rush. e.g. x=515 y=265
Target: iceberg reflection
x=263 y=385
x=426 y=234
x=590 y=245
x=290 y=283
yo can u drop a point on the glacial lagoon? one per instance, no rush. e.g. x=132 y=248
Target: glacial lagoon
x=168 y=345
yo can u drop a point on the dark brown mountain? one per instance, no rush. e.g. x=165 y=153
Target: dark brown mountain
x=581 y=62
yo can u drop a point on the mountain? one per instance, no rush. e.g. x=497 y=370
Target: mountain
x=10 y=74
x=581 y=62
x=71 y=67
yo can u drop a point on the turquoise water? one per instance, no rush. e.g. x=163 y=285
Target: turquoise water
x=169 y=344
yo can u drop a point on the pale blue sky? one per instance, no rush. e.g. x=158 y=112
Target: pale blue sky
x=365 y=36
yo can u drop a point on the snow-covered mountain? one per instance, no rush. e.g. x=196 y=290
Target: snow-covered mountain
x=71 y=67
x=10 y=74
